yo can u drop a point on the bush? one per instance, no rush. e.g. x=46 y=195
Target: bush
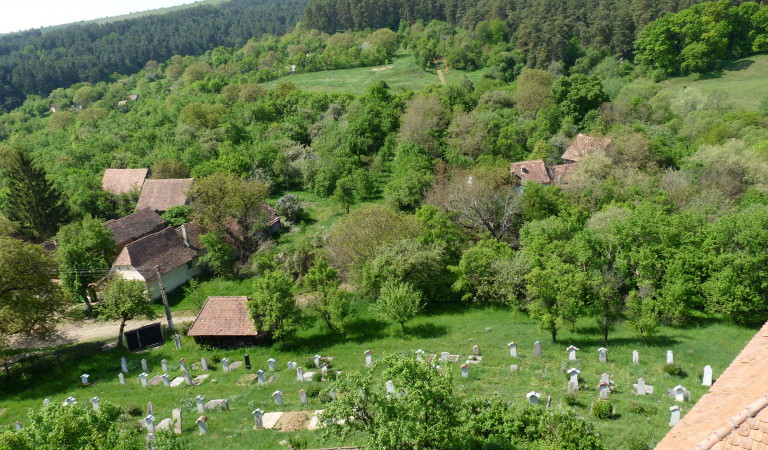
x=572 y=400
x=134 y=410
x=312 y=391
x=635 y=443
x=602 y=409
x=297 y=442
x=290 y=207
x=639 y=408
x=676 y=370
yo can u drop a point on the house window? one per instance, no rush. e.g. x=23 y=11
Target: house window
x=189 y=265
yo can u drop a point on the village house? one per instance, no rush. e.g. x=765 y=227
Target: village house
x=583 y=145
x=135 y=226
x=121 y=181
x=161 y=195
x=165 y=252
x=225 y=322
x=530 y=171
x=561 y=173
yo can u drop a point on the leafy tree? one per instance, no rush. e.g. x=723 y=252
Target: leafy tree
x=437 y=228
x=335 y=307
x=177 y=215
x=30 y=303
x=478 y=271
x=424 y=121
x=289 y=206
x=166 y=168
x=125 y=300
x=410 y=178
x=578 y=94
x=344 y=193
x=398 y=302
x=32 y=200
x=534 y=91
x=85 y=251
x=273 y=308
x=219 y=256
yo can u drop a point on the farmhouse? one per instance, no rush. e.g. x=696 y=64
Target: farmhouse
x=224 y=322
x=121 y=181
x=530 y=171
x=561 y=173
x=583 y=145
x=135 y=226
x=165 y=250
x=161 y=195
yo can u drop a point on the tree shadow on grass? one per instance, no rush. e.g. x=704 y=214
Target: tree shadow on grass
x=731 y=66
x=426 y=330
x=593 y=336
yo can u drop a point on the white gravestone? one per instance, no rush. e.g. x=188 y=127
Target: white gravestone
x=324 y=370
x=149 y=421
x=95 y=403
x=674 y=415
x=177 y=341
x=316 y=359
x=176 y=416
x=260 y=376
x=225 y=364
x=420 y=355
x=277 y=396
x=574 y=374
x=164 y=365
x=150 y=409
x=605 y=378
x=332 y=394
x=465 y=371
x=476 y=350
x=512 y=349
x=602 y=354
x=166 y=379
x=183 y=365
x=533 y=397
x=143 y=377
x=187 y=379
x=368 y=358
x=202 y=424
x=444 y=356
x=69 y=401
x=670 y=357
x=635 y=357
x=303 y=397
x=124 y=364
x=537 y=349
x=514 y=368
x=204 y=363
x=144 y=366
x=572 y=352
x=18 y=426
x=299 y=374
x=121 y=377
x=199 y=399
x=271 y=362
x=390 y=388
x=706 y=379
x=84 y=379
x=258 y=423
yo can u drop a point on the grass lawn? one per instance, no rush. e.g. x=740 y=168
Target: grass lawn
x=404 y=75
x=452 y=328
x=744 y=82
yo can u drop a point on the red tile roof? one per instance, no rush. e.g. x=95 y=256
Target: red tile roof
x=223 y=316
x=561 y=173
x=583 y=145
x=120 y=181
x=530 y=171
x=160 y=195
x=165 y=249
x=135 y=226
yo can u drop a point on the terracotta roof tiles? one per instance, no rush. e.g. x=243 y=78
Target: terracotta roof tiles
x=165 y=249
x=583 y=145
x=223 y=316
x=530 y=171
x=135 y=226
x=161 y=195
x=120 y=181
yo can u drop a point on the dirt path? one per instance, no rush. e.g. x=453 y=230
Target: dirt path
x=90 y=330
x=440 y=75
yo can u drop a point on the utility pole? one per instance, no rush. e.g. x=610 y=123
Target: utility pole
x=165 y=300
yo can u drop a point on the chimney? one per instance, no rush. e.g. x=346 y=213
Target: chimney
x=184 y=234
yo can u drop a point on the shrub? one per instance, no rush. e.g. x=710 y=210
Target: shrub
x=312 y=390
x=134 y=410
x=635 y=443
x=639 y=408
x=675 y=370
x=572 y=400
x=297 y=442
x=290 y=207
x=602 y=409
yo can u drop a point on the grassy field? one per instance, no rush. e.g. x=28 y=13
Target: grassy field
x=744 y=82
x=448 y=328
x=402 y=75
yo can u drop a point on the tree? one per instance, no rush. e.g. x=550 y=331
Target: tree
x=478 y=271
x=578 y=94
x=289 y=206
x=125 y=300
x=411 y=176
x=165 y=168
x=219 y=256
x=424 y=121
x=333 y=304
x=30 y=303
x=273 y=309
x=534 y=91
x=344 y=193
x=85 y=251
x=398 y=302
x=32 y=200
x=177 y=215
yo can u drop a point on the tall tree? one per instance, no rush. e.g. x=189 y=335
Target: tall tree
x=273 y=308
x=398 y=302
x=125 y=300
x=32 y=201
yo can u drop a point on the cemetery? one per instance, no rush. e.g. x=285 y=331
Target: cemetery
x=257 y=397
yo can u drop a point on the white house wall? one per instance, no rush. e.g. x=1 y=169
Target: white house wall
x=172 y=279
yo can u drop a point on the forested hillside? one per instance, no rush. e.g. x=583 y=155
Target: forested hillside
x=36 y=62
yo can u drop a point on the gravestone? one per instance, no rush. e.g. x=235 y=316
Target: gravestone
x=258 y=423
x=247 y=359
x=679 y=393
x=187 y=379
x=260 y=376
x=465 y=371
x=316 y=358
x=670 y=357
x=574 y=374
x=605 y=378
x=164 y=365
x=332 y=394
x=602 y=354
x=144 y=365
x=674 y=417
x=177 y=424
x=69 y=401
x=476 y=350
x=18 y=426
x=271 y=362
x=156 y=380
x=124 y=364
x=204 y=363
x=199 y=379
x=604 y=389
x=573 y=387
x=420 y=355
x=149 y=421
x=177 y=341
x=166 y=380
x=533 y=397
x=572 y=349
x=84 y=379
x=514 y=368
x=183 y=365
x=444 y=356
x=390 y=388
x=324 y=371
x=176 y=382
x=706 y=379
x=143 y=377
x=277 y=396
x=225 y=364
x=303 y=397
x=217 y=403
x=164 y=424
x=635 y=357
x=299 y=374
x=46 y=401
x=199 y=399
x=121 y=377
x=512 y=349
x=641 y=388
x=368 y=358
x=537 y=349
x=150 y=409
x=202 y=424
x=95 y=403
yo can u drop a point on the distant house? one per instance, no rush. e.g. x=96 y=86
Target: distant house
x=583 y=145
x=225 y=322
x=273 y=223
x=54 y=107
x=133 y=97
x=165 y=250
x=160 y=195
x=561 y=173
x=530 y=171
x=135 y=226
x=121 y=181
x=122 y=103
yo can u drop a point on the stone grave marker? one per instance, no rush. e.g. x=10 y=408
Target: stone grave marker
x=150 y=409
x=476 y=350
x=144 y=365
x=537 y=349
x=604 y=389
x=420 y=355
x=572 y=349
x=332 y=394
x=178 y=381
x=635 y=357
x=225 y=364
x=149 y=421
x=46 y=401
x=303 y=397
x=533 y=397
x=670 y=357
x=155 y=380
x=512 y=349
x=183 y=365
x=204 y=363
x=324 y=371
x=177 y=341
x=247 y=359
x=602 y=354
x=277 y=396
x=199 y=399
x=69 y=401
x=641 y=388
x=316 y=358
x=390 y=388
x=465 y=371
x=573 y=387
x=299 y=374
x=605 y=378
x=674 y=418
x=177 y=424
x=368 y=358
x=143 y=377
x=164 y=424
x=124 y=365
x=202 y=424
x=200 y=378
x=574 y=374
x=514 y=368
x=164 y=365
x=271 y=362
x=18 y=426
x=260 y=376
x=258 y=423
x=222 y=403
x=444 y=357
x=121 y=378
x=166 y=379
x=681 y=394
x=95 y=403
x=706 y=379
x=84 y=379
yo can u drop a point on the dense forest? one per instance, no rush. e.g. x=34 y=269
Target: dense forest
x=36 y=62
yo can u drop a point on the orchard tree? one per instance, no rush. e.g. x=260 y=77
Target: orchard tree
x=125 y=300
x=273 y=309
x=333 y=304
x=398 y=302
x=411 y=176
x=30 y=303
x=478 y=272
x=219 y=256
